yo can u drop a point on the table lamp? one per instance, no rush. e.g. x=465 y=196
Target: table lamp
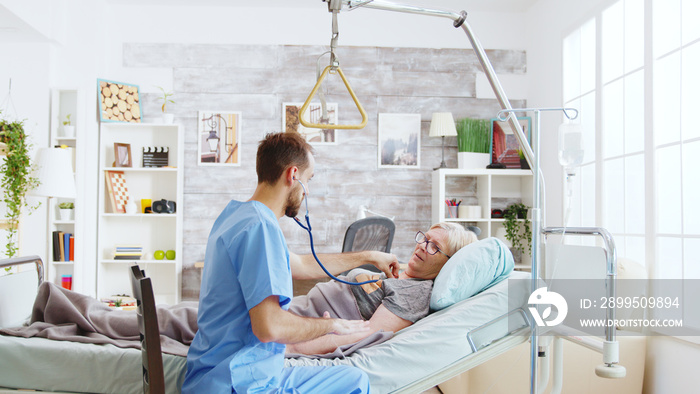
x=443 y=125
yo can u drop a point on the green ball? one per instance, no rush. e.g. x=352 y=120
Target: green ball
x=158 y=255
x=170 y=255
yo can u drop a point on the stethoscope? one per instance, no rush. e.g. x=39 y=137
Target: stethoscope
x=311 y=241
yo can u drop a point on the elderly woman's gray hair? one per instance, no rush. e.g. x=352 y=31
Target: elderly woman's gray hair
x=457 y=236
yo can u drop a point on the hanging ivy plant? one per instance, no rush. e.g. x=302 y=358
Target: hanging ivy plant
x=512 y=226
x=17 y=180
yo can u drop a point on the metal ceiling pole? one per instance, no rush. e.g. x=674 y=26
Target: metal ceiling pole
x=459 y=20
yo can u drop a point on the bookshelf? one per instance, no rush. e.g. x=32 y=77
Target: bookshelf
x=487 y=189
x=64 y=102
x=132 y=228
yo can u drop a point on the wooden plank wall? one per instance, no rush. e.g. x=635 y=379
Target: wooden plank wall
x=256 y=80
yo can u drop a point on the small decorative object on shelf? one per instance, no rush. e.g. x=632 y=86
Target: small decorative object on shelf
x=158 y=255
x=170 y=255
x=65 y=210
x=167 y=118
x=523 y=161
x=68 y=128
x=164 y=206
x=155 y=156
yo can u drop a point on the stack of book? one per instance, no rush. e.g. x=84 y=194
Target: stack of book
x=128 y=252
x=63 y=246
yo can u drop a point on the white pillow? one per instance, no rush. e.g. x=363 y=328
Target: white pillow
x=473 y=268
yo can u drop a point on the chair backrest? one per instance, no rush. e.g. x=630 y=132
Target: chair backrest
x=151 y=357
x=373 y=233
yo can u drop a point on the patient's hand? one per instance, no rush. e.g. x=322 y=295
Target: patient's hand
x=386 y=262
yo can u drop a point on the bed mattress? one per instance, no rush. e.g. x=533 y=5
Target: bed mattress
x=433 y=345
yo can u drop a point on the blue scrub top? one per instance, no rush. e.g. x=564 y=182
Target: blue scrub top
x=246 y=261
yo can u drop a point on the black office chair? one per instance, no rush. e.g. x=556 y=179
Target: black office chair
x=152 y=359
x=373 y=233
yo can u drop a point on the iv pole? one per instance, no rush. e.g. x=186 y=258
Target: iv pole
x=459 y=20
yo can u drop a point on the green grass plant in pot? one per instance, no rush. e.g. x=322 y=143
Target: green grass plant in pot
x=473 y=139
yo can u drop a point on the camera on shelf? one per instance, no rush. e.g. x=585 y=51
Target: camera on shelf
x=163 y=206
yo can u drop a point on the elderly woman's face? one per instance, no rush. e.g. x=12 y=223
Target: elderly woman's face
x=423 y=265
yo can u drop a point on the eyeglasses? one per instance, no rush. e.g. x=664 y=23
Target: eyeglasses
x=430 y=246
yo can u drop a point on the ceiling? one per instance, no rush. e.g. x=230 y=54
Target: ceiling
x=14 y=30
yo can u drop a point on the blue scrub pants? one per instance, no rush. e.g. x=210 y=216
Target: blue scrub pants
x=341 y=379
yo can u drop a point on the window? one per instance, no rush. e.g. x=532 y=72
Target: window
x=642 y=167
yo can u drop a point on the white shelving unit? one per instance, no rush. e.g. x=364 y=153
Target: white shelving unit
x=488 y=188
x=152 y=231
x=63 y=103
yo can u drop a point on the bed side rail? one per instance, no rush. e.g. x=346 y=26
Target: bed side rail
x=515 y=320
x=16 y=261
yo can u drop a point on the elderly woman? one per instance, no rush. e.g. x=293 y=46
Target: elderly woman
x=389 y=304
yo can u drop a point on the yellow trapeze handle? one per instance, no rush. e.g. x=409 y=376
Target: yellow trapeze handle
x=336 y=126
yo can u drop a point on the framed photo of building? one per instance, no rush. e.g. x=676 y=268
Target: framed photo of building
x=399 y=141
x=219 y=136
x=314 y=114
x=504 y=144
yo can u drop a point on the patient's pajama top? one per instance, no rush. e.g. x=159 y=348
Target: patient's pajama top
x=247 y=261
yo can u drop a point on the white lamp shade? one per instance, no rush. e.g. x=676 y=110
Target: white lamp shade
x=442 y=125
x=54 y=169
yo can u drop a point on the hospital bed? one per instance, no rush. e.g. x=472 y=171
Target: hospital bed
x=418 y=357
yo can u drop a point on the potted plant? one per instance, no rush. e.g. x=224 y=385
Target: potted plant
x=473 y=139
x=523 y=161
x=68 y=128
x=16 y=178
x=66 y=210
x=167 y=118
x=517 y=227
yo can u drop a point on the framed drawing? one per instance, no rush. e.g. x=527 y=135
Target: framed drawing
x=118 y=102
x=219 y=136
x=291 y=123
x=122 y=155
x=504 y=144
x=117 y=190
x=399 y=141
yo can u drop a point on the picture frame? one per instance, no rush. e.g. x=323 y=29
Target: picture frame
x=504 y=144
x=219 y=138
x=291 y=123
x=118 y=102
x=122 y=155
x=117 y=190
x=398 y=140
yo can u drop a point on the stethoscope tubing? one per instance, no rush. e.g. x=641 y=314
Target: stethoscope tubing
x=311 y=242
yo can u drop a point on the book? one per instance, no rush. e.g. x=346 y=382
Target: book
x=66 y=246
x=56 y=247
x=61 y=247
x=72 y=248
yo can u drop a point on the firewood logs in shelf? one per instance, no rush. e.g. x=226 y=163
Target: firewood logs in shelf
x=119 y=102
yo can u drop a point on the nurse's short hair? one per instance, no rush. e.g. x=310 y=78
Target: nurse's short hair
x=279 y=151
x=457 y=236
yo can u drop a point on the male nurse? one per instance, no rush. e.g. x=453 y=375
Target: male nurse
x=247 y=286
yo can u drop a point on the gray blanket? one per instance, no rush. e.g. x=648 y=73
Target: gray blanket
x=65 y=315
x=337 y=299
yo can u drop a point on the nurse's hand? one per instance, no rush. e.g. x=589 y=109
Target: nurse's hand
x=386 y=262
x=344 y=327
